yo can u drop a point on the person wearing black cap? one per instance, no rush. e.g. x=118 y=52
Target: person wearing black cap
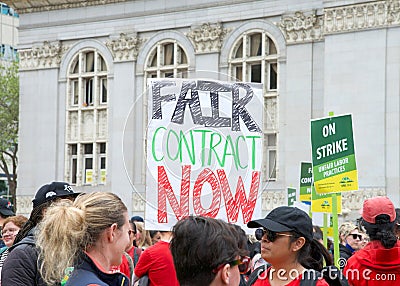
x=20 y=267
x=287 y=244
x=6 y=210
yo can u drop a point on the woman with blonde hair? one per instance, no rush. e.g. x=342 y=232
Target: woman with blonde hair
x=143 y=238
x=89 y=234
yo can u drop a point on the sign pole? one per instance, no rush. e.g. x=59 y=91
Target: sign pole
x=325 y=230
x=336 y=253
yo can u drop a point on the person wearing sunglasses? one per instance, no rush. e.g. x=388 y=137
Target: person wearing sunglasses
x=351 y=240
x=287 y=244
x=207 y=251
x=378 y=263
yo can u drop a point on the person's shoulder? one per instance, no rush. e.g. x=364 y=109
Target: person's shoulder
x=82 y=277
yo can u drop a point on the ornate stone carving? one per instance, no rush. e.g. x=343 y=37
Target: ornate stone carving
x=272 y=199
x=207 y=38
x=125 y=48
x=361 y=16
x=138 y=202
x=45 y=56
x=24 y=205
x=271 y=122
x=353 y=201
x=302 y=28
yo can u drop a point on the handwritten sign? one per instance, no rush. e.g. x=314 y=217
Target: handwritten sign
x=204 y=151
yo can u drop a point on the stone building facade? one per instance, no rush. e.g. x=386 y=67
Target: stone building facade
x=84 y=66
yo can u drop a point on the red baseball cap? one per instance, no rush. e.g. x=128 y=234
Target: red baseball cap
x=377 y=206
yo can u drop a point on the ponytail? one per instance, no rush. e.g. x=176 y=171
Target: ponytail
x=382 y=230
x=60 y=237
x=313 y=255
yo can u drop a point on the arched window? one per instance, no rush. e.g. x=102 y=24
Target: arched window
x=254 y=58
x=167 y=59
x=86 y=120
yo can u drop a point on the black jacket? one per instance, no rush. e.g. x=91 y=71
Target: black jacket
x=20 y=267
x=345 y=253
x=86 y=273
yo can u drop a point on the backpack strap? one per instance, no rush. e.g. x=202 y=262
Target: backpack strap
x=136 y=254
x=256 y=273
x=130 y=262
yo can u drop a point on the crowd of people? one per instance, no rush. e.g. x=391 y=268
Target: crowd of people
x=84 y=239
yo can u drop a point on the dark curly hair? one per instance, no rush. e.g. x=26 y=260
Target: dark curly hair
x=382 y=230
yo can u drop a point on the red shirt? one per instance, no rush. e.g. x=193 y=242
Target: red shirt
x=157 y=262
x=374 y=265
x=124 y=266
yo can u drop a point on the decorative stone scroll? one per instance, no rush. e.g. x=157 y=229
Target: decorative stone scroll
x=45 y=56
x=125 y=48
x=302 y=28
x=207 y=38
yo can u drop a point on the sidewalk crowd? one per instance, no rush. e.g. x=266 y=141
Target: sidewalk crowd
x=87 y=239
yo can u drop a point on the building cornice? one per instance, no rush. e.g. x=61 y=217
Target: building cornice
x=30 y=6
x=302 y=27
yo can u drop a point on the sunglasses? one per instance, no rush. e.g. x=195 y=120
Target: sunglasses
x=355 y=236
x=271 y=235
x=131 y=231
x=243 y=264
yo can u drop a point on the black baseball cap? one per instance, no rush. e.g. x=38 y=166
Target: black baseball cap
x=52 y=191
x=286 y=219
x=6 y=208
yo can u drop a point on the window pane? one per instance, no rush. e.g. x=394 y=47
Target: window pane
x=103 y=90
x=255 y=45
x=153 y=61
x=73 y=170
x=89 y=62
x=74 y=149
x=182 y=73
x=272 y=164
x=271 y=47
x=102 y=163
x=75 y=68
x=75 y=92
x=239 y=51
x=87 y=148
x=101 y=64
x=169 y=54
x=88 y=100
x=273 y=78
x=255 y=73
x=102 y=148
x=183 y=58
x=88 y=163
x=239 y=73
